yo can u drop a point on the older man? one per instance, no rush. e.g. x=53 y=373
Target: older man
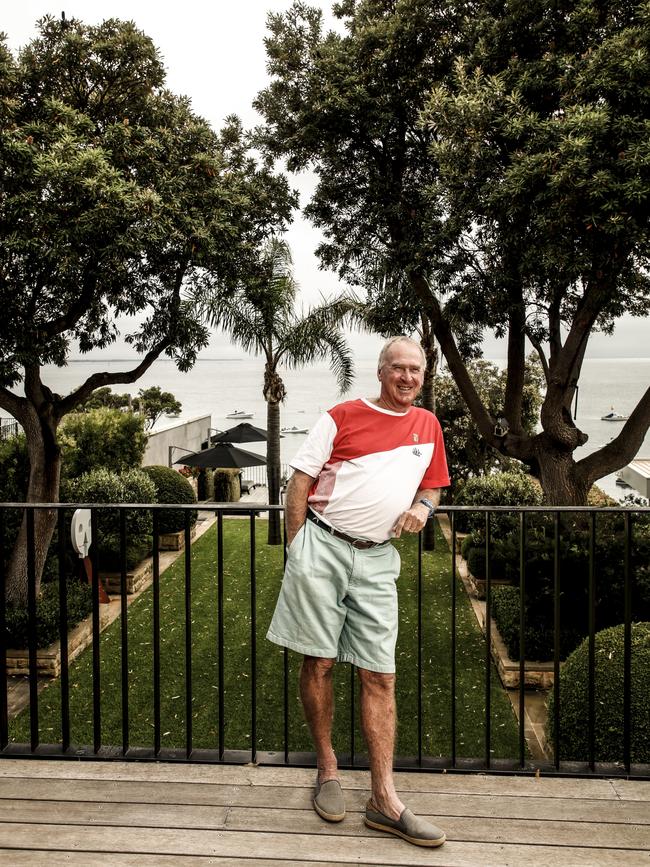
x=369 y=471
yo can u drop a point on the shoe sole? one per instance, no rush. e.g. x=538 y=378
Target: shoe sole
x=417 y=841
x=329 y=817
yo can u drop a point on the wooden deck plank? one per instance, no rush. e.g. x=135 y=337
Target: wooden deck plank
x=45 y=858
x=215 y=795
x=327 y=848
x=632 y=790
x=252 y=775
x=279 y=820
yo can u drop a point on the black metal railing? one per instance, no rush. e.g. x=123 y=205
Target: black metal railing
x=8 y=428
x=531 y=523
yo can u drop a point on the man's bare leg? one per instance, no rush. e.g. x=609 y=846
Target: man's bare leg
x=378 y=720
x=317 y=699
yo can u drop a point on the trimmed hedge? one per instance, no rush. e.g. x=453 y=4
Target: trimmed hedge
x=227 y=488
x=538 y=631
x=80 y=605
x=171 y=487
x=499 y=489
x=104 y=486
x=574 y=686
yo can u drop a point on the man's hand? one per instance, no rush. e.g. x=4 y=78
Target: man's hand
x=411 y=521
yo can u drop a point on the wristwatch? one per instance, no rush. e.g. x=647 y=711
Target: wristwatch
x=428 y=504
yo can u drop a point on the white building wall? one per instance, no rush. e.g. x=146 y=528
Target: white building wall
x=637 y=474
x=179 y=437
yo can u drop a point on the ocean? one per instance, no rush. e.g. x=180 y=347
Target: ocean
x=220 y=385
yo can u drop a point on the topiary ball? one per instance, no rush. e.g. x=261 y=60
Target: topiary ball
x=574 y=686
x=171 y=487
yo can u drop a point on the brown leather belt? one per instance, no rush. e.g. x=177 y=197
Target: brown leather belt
x=356 y=543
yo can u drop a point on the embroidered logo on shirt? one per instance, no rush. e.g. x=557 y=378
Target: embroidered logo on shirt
x=417 y=453
x=416 y=438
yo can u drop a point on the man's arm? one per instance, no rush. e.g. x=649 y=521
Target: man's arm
x=295 y=513
x=414 y=519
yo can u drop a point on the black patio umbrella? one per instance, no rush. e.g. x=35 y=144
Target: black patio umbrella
x=241 y=433
x=222 y=455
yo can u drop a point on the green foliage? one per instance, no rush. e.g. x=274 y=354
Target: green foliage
x=574 y=558
x=105 y=486
x=171 y=487
x=227 y=488
x=468 y=454
x=153 y=402
x=79 y=599
x=574 y=698
x=205 y=485
x=118 y=204
x=499 y=489
x=104 y=396
x=14 y=473
x=102 y=438
x=502 y=171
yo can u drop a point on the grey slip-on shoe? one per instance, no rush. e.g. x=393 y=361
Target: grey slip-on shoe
x=329 y=802
x=410 y=827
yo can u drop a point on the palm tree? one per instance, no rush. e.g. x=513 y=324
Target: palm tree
x=261 y=317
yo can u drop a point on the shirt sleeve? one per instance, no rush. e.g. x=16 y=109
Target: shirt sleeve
x=313 y=454
x=437 y=474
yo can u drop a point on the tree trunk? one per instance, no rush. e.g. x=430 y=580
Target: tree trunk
x=428 y=342
x=562 y=483
x=273 y=469
x=44 y=477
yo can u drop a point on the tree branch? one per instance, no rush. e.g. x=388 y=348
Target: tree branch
x=68 y=403
x=513 y=398
x=456 y=364
x=12 y=403
x=623 y=448
x=539 y=349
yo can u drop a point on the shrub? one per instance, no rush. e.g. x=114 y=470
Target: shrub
x=47 y=613
x=104 y=486
x=609 y=698
x=227 y=488
x=499 y=489
x=205 y=485
x=102 y=438
x=14 y=472
x=171 y=487
x=538 y=628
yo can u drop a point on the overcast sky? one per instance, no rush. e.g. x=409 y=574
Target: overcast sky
x=214 y=53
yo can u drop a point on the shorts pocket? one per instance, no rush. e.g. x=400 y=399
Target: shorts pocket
x=292 y=547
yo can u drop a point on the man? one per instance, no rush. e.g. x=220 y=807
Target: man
x=369 y=471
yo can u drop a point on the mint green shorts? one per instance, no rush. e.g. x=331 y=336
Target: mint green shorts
x=337 y=601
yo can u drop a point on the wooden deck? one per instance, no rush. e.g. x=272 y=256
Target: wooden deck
x=123 y=813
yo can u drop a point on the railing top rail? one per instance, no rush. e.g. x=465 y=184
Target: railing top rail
x=265 y=507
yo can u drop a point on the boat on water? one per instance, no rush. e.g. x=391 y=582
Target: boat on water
x=612 y=415
x=240 y=413
x=294 y=430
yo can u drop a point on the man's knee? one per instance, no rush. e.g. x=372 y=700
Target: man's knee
x=377 y=680
x=317 y=666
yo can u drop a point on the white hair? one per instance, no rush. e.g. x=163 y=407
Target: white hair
x=401 y=338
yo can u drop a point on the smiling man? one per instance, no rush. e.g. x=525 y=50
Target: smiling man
x=370 y=470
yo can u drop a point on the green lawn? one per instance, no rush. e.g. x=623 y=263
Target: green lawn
x=436 y=592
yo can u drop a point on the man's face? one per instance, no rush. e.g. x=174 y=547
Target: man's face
x=401 y=376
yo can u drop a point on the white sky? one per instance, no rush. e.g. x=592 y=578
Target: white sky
x=214 y=53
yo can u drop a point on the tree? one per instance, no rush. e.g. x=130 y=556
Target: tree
x=260 y=316
x=152 y=403
x=468 y=455
x=495 y=155
x=104 y=397
x=116 y=198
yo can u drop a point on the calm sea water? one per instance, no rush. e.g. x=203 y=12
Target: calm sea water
x=219 y=386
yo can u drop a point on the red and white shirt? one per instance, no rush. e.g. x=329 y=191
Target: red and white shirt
x=368 y=464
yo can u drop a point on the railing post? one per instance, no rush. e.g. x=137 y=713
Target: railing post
x=63 y=632
x=453 y=639
x=556 y=639
x=188 y=637
x=488 y=638
x=522 y=641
